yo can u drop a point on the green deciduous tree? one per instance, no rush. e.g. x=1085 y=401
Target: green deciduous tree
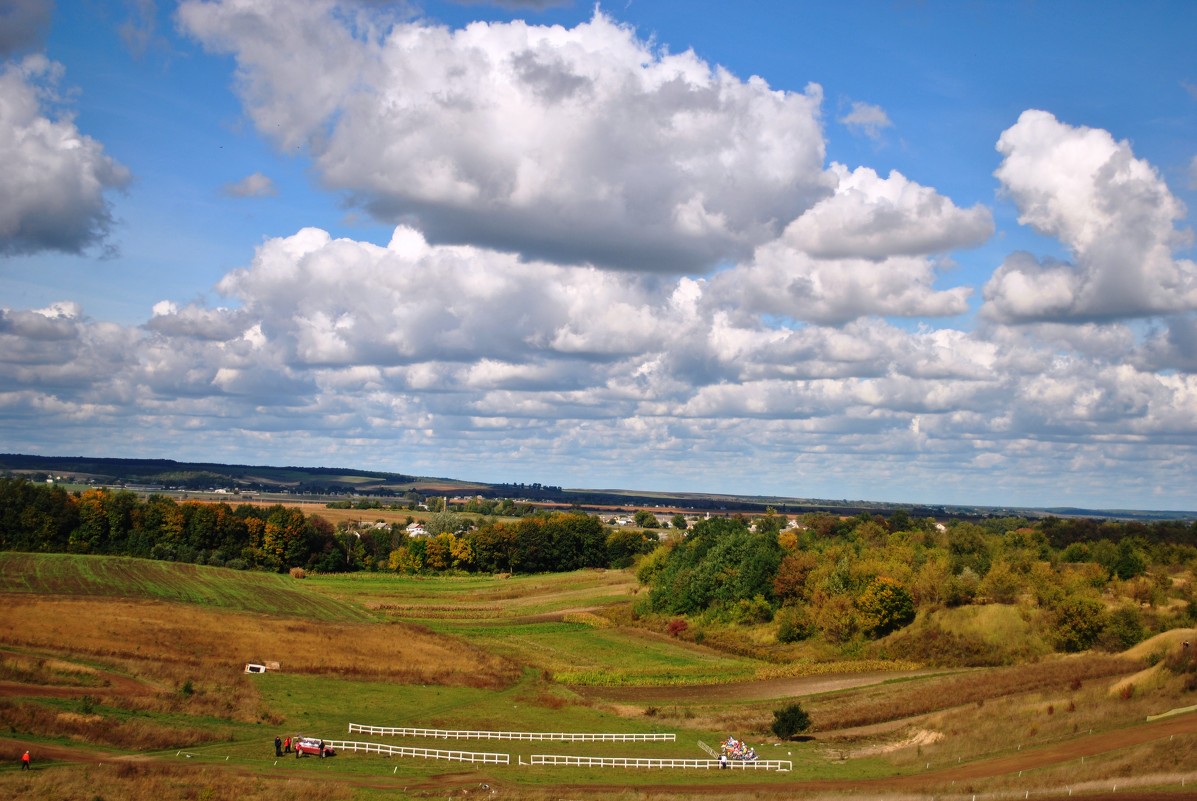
x=790 y=721
x=645 y=519
x=1077 y=623
x=794 y=624
x=885 y=605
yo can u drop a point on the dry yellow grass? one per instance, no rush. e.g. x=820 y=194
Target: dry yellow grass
x=29 y=669
x=136 y=734
x=131 y=781
x=1162 y=642
x=172 y=643
x=895 y=702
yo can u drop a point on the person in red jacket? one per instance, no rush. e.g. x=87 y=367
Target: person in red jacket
x=25 y=761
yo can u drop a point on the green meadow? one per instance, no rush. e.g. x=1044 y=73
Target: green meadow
x=124 y=577
x=527 y=619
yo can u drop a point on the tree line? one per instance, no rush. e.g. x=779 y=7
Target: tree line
x=46 y=517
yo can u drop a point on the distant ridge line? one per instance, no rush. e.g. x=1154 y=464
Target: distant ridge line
x=332 y=480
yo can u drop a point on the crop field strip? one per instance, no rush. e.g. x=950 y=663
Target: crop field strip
x=124 y=577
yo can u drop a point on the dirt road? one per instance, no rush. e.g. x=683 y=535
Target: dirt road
x=759 y=690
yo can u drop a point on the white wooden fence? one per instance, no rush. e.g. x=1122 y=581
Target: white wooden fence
x=639 y=762
x=558 y=759
x=566 y=737
x=421 y=753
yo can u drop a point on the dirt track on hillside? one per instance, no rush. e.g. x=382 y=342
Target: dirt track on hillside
x=114 y=684
x=117 y=685
x=758 y=690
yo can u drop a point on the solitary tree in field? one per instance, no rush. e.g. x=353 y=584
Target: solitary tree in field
x=789 y=721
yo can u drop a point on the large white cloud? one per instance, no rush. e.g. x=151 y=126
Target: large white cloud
x=1111 y=210
x=53 y=179
x=472 y=362
x=570 y=145
x=340 y=302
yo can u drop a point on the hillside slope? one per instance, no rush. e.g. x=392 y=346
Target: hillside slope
x=123 y=577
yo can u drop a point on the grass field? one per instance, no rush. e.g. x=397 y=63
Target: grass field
x=524 y=619
x=137 y=664
x=121 y=577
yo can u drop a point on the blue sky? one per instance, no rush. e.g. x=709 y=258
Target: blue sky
x=902 y=251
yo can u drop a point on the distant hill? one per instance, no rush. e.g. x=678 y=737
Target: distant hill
x=167 y=474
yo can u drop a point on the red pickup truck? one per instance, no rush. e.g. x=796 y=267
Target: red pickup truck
x=310 y=746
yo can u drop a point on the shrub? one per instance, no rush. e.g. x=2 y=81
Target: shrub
x=676 y=627
x=885 y=605
x=1078 y=622
x=794 y=625
x=1001 y=584
x=1123 y=629
x=754 y=610
x=789 y=721
x=649 y=565
x=835 y=617
x=962 y=588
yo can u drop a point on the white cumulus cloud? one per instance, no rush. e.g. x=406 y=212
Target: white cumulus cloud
x=1112 y=211
x=53 y=179
x=872 y=217
x=471 y=361
x=572 y=145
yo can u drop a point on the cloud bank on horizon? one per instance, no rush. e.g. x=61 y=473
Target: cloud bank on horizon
x=608 y=264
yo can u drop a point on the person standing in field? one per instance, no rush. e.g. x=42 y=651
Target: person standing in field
x=287 y=744
x=25 y=761
x=278 y=746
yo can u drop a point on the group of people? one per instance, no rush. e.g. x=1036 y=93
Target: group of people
x=282 y=746
x=731 y=748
